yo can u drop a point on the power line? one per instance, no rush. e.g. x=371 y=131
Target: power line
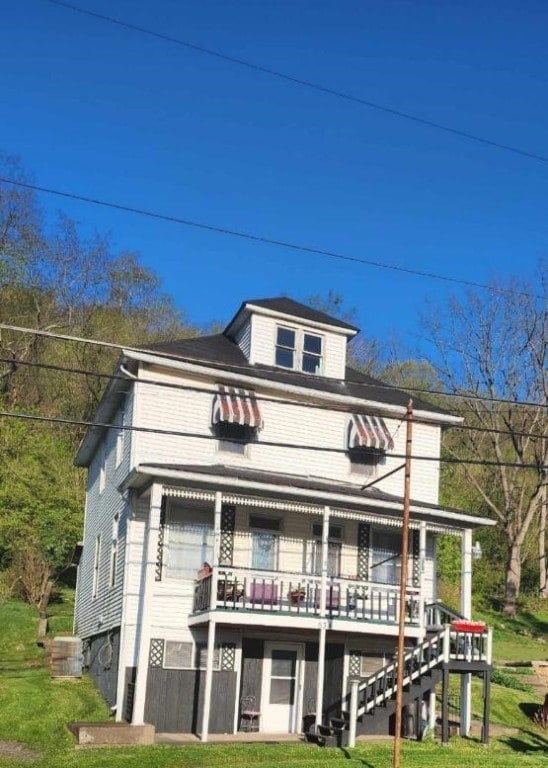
x=245 y=369
x=302 y=82
x=262 y=239
x=269 y=443
x=258 y=398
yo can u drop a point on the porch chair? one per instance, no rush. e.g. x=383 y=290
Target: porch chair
x=263 y=593
x=249 y=716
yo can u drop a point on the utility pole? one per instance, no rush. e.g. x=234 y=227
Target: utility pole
x=403 y=583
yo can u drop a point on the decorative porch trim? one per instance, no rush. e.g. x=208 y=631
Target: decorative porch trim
x=228 y=523
x=160 y=547
x=156 y=655
x=189 y=493
x=364 y=544
x=314 y=509
x=416 y=550
x=288 y=506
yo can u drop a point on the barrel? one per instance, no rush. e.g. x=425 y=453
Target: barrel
x=66 y=657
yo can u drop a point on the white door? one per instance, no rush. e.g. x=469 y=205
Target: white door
x=282 y=687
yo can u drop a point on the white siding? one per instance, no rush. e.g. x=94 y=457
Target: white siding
x=263 y=344
x=103 y=612
x=190 y=413
x=243 y=339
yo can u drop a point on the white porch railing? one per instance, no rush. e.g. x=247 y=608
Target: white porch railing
x=445 y=646
x=298 y=594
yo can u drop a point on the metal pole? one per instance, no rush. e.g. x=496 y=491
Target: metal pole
x=403 y=583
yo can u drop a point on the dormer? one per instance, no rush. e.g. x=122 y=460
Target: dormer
x=282 y=333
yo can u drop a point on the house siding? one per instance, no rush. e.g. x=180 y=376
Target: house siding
x=104 y=658
x=190 y=413
x=96 y=614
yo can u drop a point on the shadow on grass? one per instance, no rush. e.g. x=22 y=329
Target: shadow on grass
x=361 y=760
x=537 y=743
x=529 y=709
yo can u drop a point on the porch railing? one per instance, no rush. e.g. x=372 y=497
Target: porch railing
x=444 y=646
x=249 y=590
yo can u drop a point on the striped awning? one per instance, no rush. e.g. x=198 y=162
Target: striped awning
x=369 y=432
x=237 y=406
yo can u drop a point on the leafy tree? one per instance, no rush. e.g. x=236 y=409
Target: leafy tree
x=495 y=346
x=41 y=498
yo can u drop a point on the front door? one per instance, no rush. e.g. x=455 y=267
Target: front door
x=282 y=687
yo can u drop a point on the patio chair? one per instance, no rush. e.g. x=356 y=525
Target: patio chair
x=249 y=715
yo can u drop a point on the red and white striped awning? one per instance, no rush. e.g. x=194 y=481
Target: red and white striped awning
x=237 y=406
x=369 y=432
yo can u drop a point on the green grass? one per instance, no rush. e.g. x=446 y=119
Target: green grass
x=35 y=710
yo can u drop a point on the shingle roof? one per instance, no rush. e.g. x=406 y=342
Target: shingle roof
x=290 y=307
x=313 y=484
x=221 y=352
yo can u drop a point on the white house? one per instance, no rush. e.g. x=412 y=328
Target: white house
x=258 y=452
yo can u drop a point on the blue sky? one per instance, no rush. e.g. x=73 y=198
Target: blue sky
x=105 y=112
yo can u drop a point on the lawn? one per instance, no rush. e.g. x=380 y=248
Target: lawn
x=34 y=711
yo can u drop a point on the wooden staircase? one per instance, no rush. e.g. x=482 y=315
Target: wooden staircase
x=444 y=647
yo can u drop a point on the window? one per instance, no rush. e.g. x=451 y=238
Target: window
x=234 y=437
x=96 y=560
x=120 y=440
x=334 y=547
x=186 y=655
x=364 y=461
x=312 y=353
x=285 y=348
x=386 y=556
x=103 y=468
x=188 y=542
x=264 y=542
x=298 y=350
x=114 y=550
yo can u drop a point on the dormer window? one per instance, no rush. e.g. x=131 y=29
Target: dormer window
x=298 y=350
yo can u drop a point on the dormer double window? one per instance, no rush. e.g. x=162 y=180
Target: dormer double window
x=298 y=350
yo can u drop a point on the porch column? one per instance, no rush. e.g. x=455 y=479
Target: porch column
x=208 y=680
x=145 y=604
x=422 y=571
x=323 y=622
x=216 y=547
x=466 y=610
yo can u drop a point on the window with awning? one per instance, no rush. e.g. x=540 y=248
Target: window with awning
x=369 y=433
x=233 y=405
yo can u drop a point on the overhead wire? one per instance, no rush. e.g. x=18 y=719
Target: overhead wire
x=234 y=367
x=312 y=250
x=257 y=397
x=269 y=443
x=302 y=82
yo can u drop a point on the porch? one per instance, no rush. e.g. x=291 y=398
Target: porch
x=297 y=596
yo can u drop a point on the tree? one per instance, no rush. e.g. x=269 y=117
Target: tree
x=495 y=346
x=41 y=497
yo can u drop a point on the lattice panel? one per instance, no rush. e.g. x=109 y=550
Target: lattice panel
x=160 y=548
x=364 y=539
x=355 y=664
x=228 y=656
x=156 y=655
x=228 y=521
x=416 y=543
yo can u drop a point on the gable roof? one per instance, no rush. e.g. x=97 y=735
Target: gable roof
x=288 y=306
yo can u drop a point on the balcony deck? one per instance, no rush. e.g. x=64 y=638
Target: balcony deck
x=273 y=598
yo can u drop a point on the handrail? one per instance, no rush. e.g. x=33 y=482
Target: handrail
x=444 y=646
x=438 y=614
